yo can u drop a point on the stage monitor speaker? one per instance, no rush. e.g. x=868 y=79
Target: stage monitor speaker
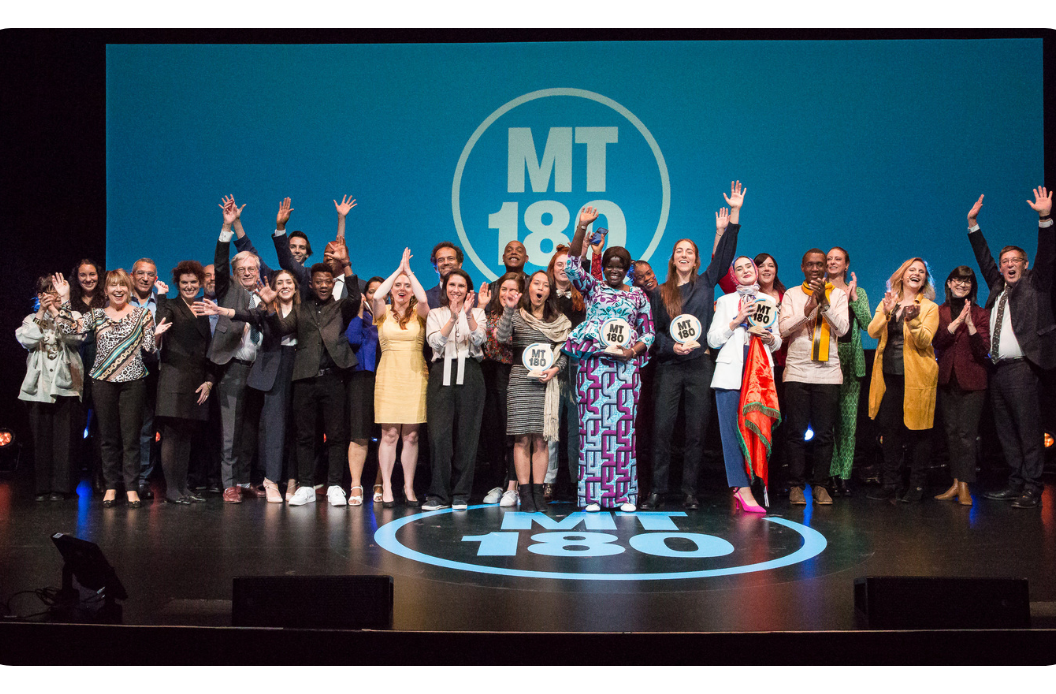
x=919 y=602
x=312 y=602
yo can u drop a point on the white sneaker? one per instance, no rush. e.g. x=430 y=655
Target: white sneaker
x=628 y=508
x=493 y=496
x=593 y=508
x=509 y=498
x=303 y=495
x=335 y=495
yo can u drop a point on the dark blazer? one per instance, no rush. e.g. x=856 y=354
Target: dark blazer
x=183 y=365
x=228 y=334
x=966 y=355
x=266 y=366
x=321 y=327
x=1029 y=299
x=287 y=262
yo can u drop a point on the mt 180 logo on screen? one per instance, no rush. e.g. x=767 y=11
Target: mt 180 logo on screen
x=551 y=153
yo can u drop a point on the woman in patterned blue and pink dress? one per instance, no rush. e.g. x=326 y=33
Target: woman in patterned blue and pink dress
x=607 y=383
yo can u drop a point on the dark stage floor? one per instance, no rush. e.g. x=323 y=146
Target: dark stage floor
x=487 y=570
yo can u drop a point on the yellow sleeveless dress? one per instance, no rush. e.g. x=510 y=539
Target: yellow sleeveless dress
x=399 y=390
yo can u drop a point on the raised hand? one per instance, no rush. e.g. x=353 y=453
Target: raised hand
x=284 y=214
x=852 y=288
x=163 y=289
x=484 y=295
x=889 y=302
x=265 y=292
x=405 y=262
x=974 y=212
x=587 y=215
x=736 y=198
x=337 y=252
x=1042 y=201
x=471 y=299
x=722 y=220
x=203 y=391
x=206 y=307
x=62 y=287
x=230 y=211
x=511 y=300
x=347 y=203
x=231 y=199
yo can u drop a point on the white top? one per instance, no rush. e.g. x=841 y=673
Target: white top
x=459 y=344
x=251 y=337
x=794 y=326
x=1009 y=346
x=729 y=364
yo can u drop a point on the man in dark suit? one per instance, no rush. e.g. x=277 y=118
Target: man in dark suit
x=445 y=257
x=234 y=347
x=1022 y=345
x=320 y=371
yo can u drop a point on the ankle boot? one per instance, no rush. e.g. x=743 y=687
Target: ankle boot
x=539 y=496
x=949 y=493
x=964 y=495
x=527 y=499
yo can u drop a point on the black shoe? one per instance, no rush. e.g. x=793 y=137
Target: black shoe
x=98 y=486
x=524 y=491
x=1028 y=499
x=194 y=498
x=539 y=497
x=410 y=503
x=913 y=495
x=145 y=492
x=655 y=501
x=214 y=488
x=57 y=496
x=135 y=504
x=691 y=502
x=43 y=496
x=841 y=487
x=109 y=503
x=181 y=500
x=882 y=494
x=1006 y=494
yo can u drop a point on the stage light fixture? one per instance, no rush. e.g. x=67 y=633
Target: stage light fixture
x=10 y=451
x=809 y=435
x=1049 y=440
x=7 y=437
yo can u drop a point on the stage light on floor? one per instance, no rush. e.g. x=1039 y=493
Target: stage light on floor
x=85 y=433
x=7 y=437
x=1049 y=440
x=809 y=435
x=10 y=451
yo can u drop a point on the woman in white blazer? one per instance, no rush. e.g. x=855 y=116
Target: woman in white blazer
x=729 y=333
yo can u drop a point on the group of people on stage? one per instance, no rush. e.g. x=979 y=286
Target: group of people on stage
x=246 y=355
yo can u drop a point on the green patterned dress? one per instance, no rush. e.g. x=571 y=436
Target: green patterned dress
x=852 y=363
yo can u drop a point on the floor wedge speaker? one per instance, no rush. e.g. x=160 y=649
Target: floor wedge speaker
x=312 y=602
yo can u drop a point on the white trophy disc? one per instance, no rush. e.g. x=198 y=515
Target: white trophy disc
x=537 y=358
x=615 y=335
x=686 y=330
x=764 y=313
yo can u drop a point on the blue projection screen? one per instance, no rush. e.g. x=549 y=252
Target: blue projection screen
x=877 y=146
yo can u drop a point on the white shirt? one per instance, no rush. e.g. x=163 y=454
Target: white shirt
x=460 y=343
x=251 y=337
x=1009 y=346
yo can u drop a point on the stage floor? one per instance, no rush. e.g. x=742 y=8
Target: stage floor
x=487 y=569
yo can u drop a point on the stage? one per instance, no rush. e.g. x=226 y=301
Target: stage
x=492 y=570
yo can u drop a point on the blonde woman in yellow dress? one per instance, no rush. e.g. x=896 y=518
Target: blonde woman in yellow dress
x=399 y=393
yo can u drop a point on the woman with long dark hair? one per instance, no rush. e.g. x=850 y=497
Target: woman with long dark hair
x=852 y=363
x=962 y=343
x=86 y=293
x=608 y=382
x=731 y=334
x=455 y=396
x=122 y=333
x=496 y=365
x=905 y=375
x=51 y=391
x=685 y=372
x=185 y=379
x=533 y=401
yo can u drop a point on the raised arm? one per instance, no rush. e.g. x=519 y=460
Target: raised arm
x=735 y=201
x=586 y=216
x=1045 y=258
x=987 y=267
x=347 y=203
x=724 y=250
x=222 y=256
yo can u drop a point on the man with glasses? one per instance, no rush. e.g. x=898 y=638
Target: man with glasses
x=234 y=347
x=1022 y=345
x=145 y=294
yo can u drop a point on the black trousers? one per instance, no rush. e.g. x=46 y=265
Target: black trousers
x=176 y=437
x=120 y=409
x=961 y=410
x=54 y=438
x=88 y=450
x=496 y=446
x=814 y=405
x=690 y=380
x=205 y=448
x=454 y=413
x=321 y=399
x=896 y=434
x=1014 y=388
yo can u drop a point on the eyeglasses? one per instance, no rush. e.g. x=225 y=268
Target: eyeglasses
x=960 y=281
x=1012 y=261
x=245 y=270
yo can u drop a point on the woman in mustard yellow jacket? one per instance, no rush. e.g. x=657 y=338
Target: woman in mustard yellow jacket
x=905 y=376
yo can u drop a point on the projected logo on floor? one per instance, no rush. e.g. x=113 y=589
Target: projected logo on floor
x=594 y=152
x=603 y=546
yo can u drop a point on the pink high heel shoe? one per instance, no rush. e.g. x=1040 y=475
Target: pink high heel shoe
x=746 y=507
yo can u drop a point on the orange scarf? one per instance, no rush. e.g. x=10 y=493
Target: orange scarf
x=758 y=412
x=819 y=350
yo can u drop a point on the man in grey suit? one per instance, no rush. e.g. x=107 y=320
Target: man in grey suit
x=234 y=348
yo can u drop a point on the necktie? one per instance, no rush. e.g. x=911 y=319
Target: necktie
x=995 y=342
